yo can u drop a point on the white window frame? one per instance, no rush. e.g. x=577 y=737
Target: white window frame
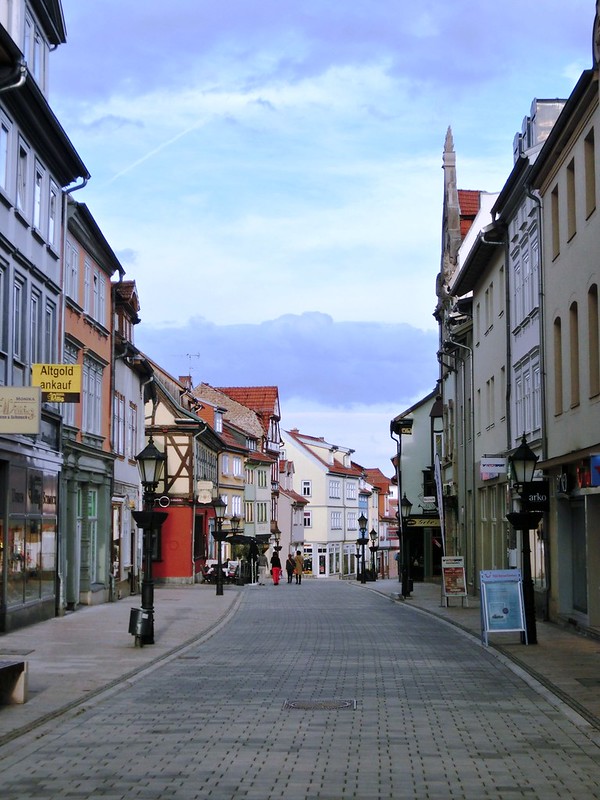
x=92 y=396
x=23 y=168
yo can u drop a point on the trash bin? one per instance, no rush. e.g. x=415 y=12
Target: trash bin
x=139 y=622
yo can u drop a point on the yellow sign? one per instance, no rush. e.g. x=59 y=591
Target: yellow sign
x=60 y=383
x=423 y=522
x=20 y=409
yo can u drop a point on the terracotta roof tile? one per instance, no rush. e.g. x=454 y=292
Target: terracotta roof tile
x=262 y=399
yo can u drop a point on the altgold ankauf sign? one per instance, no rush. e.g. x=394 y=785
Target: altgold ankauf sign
x=60 y=383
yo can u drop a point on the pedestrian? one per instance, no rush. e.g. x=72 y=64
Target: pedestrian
x=299 y=562
x=263 y=566
x=290 y=566
x=276 y=567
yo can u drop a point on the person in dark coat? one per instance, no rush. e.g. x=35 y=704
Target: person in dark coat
x=290 y=566
x=276 y=567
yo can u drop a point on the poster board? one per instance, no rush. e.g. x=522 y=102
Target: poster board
x=454 y=583
x=502 y=607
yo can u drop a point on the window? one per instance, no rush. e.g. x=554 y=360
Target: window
x=336 y=520
x=262 y=479
x=590 y=173
x=5 y=129
x=34 y=50
x=307 y=519
x=558 y=367
x=101 y=307
x=306 y=488
x=261 y=512
x=334 y=489
x=249 y=476
x=22 y=177
x=18 y=319
x=72 y=272
x=132 y=431
x=218 y=421
x=352 y=521
x=53 y=215
x=555 y=221
x=68 y=409
x=249 y=511
x=236 y=505
x=35 y=328
x=119 y=424
x=38 y=190
x=237 y=466
x=50 y=333
x=593 y=342
x=87 y=279
x=92 y=396
x=92 y=528
x=225 y=464
x=574 y=353
x=571 y=206
x=351 y=490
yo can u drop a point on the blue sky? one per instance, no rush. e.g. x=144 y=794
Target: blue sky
x=269 y=173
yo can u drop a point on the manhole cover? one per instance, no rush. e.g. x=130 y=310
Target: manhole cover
x=327 y=705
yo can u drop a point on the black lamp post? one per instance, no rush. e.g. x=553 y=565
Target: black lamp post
x=219 y=535
x=151 y=464
x=523 y=463
x=405 y=509
x=361 y=542
x=373 y=547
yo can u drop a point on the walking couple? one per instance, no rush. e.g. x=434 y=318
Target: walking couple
x=294 y=565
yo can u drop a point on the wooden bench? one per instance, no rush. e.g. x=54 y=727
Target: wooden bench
x=13 y=682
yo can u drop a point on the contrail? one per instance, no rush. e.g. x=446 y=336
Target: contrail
x=153 y=153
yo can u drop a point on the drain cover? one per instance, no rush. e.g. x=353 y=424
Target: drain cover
x=312 y=705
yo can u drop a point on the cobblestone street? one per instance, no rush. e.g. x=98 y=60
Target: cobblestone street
x=321 y=691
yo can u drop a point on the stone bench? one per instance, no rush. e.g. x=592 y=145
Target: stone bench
x=13 y=682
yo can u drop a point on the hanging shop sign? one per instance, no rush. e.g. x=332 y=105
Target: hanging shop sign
x=60 y=383
x=20 y=409
x=491 y=467
x=535 y=496
x=423 y=522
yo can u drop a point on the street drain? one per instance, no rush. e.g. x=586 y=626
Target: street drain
x=315 y=705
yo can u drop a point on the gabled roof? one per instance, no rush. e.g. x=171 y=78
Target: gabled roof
x=264 y=400
x=296 y=498
x=236 y=412
x=377 y=479
x=312 y=445
x=469 y=201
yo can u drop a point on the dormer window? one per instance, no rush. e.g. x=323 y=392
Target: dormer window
x=218 y=421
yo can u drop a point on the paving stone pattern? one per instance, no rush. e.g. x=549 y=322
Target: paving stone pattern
x=315 y=692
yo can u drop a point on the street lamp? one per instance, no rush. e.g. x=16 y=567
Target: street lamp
x=219 y=536
x=373 y=547
x=523 y=463
x=405 y=509
x=399 y=427
x=151 y=464
x=361 y=542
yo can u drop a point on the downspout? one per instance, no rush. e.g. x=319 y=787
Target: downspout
x=18 y=77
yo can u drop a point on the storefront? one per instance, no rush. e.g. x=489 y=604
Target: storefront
x=29 y=539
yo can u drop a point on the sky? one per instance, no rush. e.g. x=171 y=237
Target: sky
x=269 y=174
